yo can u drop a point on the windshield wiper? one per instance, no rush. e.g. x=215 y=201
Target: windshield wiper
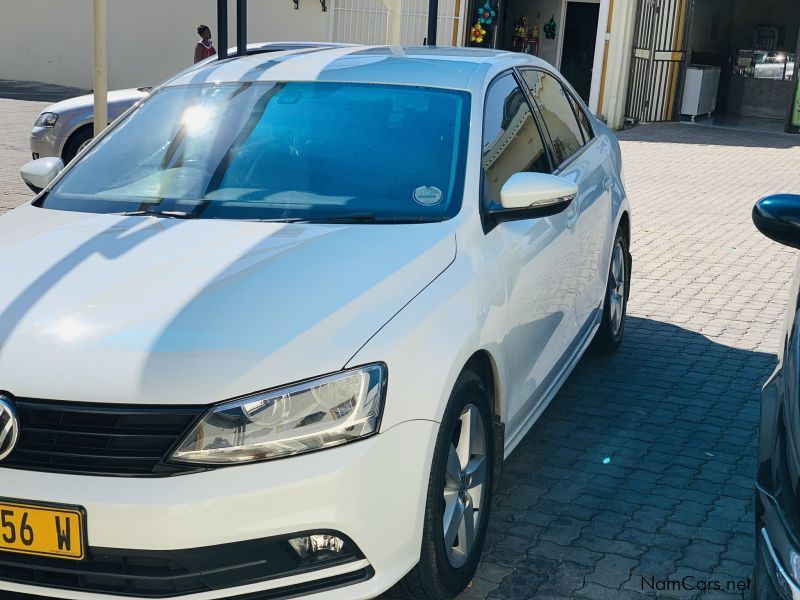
x=167 y=214
x=362 y=218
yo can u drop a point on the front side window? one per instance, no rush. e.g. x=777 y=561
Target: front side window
x=554 y=105
x=279 y=151
x=511 y=139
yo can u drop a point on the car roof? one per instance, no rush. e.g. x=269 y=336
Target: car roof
x=446 y=67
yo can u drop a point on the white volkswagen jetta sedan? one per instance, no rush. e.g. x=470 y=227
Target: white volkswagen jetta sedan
x=273 y=332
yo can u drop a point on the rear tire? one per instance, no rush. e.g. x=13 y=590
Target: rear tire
x=460 y=483
x=77 y=142
x=615 y=305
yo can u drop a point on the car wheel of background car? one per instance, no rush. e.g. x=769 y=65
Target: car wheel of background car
x=459 y=496
x=615 y=306
x=77 y=142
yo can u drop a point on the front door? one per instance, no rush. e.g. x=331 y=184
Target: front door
x=539 y=257
x=581 y=158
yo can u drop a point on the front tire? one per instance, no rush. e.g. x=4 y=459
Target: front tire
x=459 y=496
x=615 y=305
x=77 y=142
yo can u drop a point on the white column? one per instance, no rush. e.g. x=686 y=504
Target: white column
x=100 y=79
x=393 y=20
x=599 y=55
x=619 y=61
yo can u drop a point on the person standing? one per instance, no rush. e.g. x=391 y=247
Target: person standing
x=204 y=47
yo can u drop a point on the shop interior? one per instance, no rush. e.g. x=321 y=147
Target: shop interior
x=563 y=33
x=742 y=57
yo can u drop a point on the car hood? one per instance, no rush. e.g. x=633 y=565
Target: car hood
x=108 y=308
x=116 y=99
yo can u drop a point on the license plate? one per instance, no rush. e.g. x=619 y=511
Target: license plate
x=55 y=531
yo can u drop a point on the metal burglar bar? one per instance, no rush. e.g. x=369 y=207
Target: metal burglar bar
x=659 y=60
x=365 y=22
x=359 y=7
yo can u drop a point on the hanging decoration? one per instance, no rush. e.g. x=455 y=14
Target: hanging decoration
x=477 y=33
x=550 y=29
x=486 y=14
x=322 y=3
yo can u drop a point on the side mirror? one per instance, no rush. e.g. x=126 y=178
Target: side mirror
x=537 y=190
x=38 y=173
x=778 y=218
x=531 y=196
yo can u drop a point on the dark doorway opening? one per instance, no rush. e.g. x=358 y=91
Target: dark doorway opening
x=580 y=34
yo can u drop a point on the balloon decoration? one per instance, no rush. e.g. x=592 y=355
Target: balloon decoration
x=486 y=19
x=486 y=14
x=550 y=29
x=477 y=34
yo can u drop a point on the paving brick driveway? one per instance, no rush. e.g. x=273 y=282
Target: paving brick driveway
x=642 y=467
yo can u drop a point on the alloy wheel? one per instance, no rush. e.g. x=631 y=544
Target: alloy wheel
x=465 y=480
x=84 y=144
x=617 y=288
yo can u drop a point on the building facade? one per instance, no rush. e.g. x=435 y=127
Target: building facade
x=149 y=40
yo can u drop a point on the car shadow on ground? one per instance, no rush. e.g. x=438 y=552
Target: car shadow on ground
x=36 y=91
x=704 y=135
x=642 y=467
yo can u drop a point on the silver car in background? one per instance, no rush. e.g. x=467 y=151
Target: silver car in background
x=65 y=128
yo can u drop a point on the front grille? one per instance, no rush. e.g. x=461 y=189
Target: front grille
x=99 y=439
x=169 y=573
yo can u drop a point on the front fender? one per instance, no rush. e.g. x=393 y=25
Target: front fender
x=427 y=344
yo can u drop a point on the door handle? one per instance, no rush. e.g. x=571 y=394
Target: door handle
x=608 y=183
x=572 y=216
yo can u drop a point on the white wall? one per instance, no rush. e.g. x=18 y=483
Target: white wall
x=148 y=40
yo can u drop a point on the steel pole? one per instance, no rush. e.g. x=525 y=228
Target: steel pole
x=433 y=15
x=222 y=29
x=241 y=27
x=100 y=75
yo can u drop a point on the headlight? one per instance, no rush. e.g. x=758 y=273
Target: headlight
x=316 y=414
x=47 y=119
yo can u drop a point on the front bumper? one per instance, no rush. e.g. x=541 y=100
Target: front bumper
x=373 y=491
x=774 y=548
x=45 y=142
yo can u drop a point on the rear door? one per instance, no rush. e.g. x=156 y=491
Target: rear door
x=583 y=158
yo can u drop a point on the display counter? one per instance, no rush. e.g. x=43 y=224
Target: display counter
x=762 y=84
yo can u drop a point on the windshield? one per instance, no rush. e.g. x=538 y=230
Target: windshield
x=279 y=151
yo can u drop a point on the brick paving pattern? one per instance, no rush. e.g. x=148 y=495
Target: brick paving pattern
x=643 y=465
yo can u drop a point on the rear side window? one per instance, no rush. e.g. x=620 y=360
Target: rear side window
x=555 y=106
x=512 y=142
x=583 y=120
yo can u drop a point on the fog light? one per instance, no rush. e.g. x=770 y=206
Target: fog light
x=317 y=547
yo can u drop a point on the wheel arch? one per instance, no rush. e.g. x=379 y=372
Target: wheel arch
x=69 y=138
x=625 y=224
x=482 y=363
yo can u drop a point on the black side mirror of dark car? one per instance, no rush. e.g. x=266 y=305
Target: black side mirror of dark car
x=778 y=218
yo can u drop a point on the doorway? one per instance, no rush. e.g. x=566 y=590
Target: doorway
x=752 y=48
x=579 y=42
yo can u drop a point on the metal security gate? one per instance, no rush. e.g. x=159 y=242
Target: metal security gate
x=659 y=60
x=365 y=22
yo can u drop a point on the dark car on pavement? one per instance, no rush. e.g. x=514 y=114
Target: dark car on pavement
x=777 y=561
